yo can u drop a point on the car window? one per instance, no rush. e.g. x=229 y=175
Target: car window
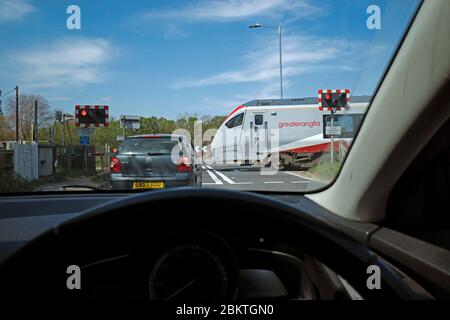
x=148 y=146
x=273 y=93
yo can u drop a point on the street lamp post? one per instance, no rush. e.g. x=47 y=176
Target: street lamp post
x=254 y=26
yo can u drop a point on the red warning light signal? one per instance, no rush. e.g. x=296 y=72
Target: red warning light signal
x=91 y=116
x=333 y=100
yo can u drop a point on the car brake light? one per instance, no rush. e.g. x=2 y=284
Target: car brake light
x=116 y=166
x=184 y=165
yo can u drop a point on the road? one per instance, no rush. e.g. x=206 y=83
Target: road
x=256 y=179
x=221 y=177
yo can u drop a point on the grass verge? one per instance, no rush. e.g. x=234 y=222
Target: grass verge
x=326 y=170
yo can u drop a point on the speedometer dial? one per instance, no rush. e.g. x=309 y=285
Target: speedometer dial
x=188 y=272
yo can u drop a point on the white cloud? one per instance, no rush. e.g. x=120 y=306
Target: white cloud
x=213 y=106
x=66 y=61
x=59 y=98
x=301 y=55
x=14 y=10
x=173 y=32
x=237 y=10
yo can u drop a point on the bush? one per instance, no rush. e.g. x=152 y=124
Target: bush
x=11 y=182
x=325 y=169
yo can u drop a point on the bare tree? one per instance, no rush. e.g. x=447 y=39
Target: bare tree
x=6 y=133
x=26 y=114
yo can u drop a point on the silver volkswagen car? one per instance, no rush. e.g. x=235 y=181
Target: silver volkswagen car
x=154 y=162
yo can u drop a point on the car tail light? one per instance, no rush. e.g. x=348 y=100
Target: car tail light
x=184 y=165
x=116 y=166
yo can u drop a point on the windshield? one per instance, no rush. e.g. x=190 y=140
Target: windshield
x=147 y=146
x=247 y=95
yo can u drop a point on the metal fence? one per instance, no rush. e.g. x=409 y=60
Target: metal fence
x=75 y=158
x=32 y=161
x=46 y=160
x=25 y=160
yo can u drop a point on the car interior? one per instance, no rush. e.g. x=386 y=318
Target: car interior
x=386 y=208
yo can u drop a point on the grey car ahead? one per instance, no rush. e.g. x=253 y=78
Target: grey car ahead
x=154 y=162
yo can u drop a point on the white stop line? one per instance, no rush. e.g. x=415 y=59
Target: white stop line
x=213 y=177
x=224 y=177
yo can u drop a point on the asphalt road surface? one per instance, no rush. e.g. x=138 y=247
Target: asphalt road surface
x=256 y=179
x=222 y=177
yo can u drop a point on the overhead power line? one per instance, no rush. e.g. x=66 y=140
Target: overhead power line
x=4 y=95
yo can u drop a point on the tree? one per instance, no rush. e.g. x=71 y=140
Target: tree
x=26 y=114
x=5 y=130
x=213 y=122
x=6 y=133
x=108 y=135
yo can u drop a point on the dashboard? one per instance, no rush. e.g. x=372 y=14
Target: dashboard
x=195 y=264
x=198 y=265
x=175 y=250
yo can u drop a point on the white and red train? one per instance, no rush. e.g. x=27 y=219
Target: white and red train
x=292 y=128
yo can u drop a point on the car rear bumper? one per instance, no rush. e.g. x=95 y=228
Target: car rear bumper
x=118 y=182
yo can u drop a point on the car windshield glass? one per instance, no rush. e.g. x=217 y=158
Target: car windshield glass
x=148 y=146
x=268 y=95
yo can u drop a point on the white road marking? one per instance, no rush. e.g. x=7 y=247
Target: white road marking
x=209 y=167
x=214 y=177
x=224 y=177
x=296 y=175
x=236 y=183
x=203 y=167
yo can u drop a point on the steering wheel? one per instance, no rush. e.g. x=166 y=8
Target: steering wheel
x=39 y=269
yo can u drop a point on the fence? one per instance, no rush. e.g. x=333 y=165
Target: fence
x=75 y=158
x=46 y=160
x=32 y=160
x=25 y=160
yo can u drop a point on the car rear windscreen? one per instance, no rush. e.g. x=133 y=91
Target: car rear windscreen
x=156 y=146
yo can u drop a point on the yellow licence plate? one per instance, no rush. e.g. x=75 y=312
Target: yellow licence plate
x=148 y=185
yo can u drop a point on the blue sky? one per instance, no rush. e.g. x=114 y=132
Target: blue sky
x=166 y=58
